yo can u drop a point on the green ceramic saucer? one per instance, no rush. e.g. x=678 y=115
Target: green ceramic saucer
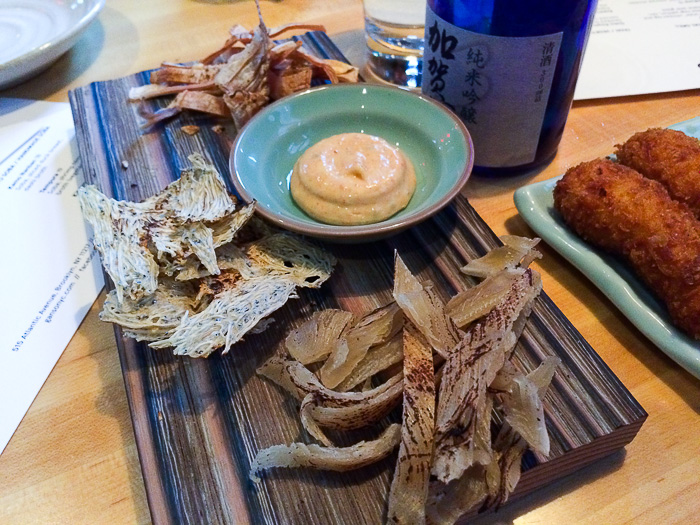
x=433 y=138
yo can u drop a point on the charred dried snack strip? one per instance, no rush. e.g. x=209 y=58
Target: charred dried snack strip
x=615 y=208
x=409 y=487
x=668 y=156
x=474 y=456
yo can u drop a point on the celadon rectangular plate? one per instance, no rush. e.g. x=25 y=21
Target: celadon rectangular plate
x=536 y=205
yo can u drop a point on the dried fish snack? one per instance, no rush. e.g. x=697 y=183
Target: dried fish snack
x=459 y=448
x=316 y=339
x=409 y=486
x=328 y=458
x=228 y=317
x=155 y=316
x=375 y=328
x=425 y=310
x=183 y=278
x=133 y=239
x=240 y=78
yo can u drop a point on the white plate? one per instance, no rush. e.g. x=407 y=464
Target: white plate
x=35 y=33
x=536 y=205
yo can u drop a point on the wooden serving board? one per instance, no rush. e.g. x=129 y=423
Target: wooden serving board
x=199 y=422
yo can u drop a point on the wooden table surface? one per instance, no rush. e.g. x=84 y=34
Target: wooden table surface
x=73 y=458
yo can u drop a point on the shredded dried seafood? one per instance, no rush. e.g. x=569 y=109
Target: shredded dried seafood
x=469 y=370
x=188 y=271
x=241 y=77
x=458 y=449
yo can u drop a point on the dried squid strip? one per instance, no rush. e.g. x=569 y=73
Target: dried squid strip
x=447 y=503
x=424 y=309
x=522 y=404
x=314 y=340
x=378 y=359
x=409 y=486
x=515 y=251
x=339 y=459
x=375 y=328
x=469 y=370
x=477 y=301
x=376 y=404
x=299 y=381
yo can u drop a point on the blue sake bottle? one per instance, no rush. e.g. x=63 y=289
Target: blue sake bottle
x=508 y=68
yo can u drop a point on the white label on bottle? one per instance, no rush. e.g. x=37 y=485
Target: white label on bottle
x=499 y=86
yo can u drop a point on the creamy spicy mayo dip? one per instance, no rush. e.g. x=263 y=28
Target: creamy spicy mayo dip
x=352 y=178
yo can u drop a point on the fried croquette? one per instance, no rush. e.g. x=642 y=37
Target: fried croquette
x=615 y=208
x=668 y=156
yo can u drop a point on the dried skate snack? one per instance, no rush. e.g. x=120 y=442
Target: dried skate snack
x=454 y=454
x=186 y=276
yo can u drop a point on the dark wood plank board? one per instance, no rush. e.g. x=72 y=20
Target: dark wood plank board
x=199 y=423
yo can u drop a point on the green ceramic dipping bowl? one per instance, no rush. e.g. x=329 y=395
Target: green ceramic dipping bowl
x=433 y=138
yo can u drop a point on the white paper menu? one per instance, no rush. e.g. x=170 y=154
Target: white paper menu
x=49 y=271
x=641 y=46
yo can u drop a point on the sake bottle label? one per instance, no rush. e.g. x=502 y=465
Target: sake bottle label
x=499 y=86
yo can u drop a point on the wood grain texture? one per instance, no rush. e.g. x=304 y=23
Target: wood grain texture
x=73 y=459
x=199 y=423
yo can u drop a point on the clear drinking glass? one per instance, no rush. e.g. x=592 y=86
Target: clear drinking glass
x=394 y=33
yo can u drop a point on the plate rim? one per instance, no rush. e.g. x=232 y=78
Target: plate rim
x=52 y=48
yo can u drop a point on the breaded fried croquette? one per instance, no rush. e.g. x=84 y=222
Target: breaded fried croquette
x=668 y=156
x=615 y=208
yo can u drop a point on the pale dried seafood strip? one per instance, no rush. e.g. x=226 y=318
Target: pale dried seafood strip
x=477 y=301
x=424 y=308
x=475 y=457
x=315 y=339
x=469 y=370
x=375 y=328
x=521 y=401
x=377 y=359
x=409 y=486
x=353 y=410
x=328 y=458
x=516 y=251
